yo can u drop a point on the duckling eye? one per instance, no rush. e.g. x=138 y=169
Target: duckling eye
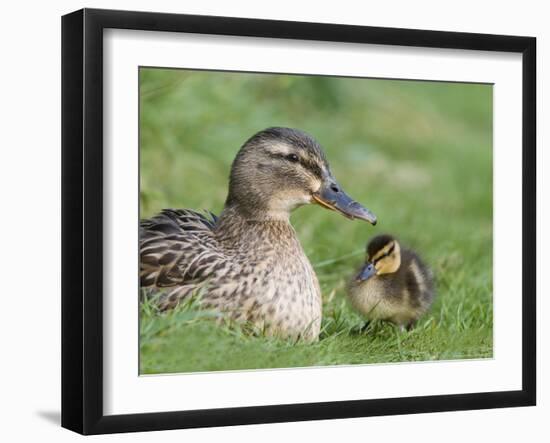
x=292 y=158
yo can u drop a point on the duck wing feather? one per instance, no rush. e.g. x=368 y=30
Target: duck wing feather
x=178 y=247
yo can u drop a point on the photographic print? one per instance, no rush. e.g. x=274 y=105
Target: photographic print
x=268 y=221
x=303 y=221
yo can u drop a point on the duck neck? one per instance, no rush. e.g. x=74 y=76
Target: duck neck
x=255 y=214
x=236 y=227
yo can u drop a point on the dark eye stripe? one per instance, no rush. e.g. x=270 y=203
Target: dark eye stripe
x=311 y=166
x=314 y=168
x=384 y=255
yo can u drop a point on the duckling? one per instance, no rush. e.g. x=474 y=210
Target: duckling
x=248 y=262
x=393 y=284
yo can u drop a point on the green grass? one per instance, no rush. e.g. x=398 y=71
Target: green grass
x=419 y=154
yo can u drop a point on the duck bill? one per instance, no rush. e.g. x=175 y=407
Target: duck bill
x=331 y=196
x=367 y=271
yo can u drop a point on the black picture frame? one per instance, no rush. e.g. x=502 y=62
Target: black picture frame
x=82 y=219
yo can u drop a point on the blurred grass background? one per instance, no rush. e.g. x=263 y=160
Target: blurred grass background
x=418 y=154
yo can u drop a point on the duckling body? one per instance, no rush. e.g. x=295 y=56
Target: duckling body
x=393 y=285
x=249 y=263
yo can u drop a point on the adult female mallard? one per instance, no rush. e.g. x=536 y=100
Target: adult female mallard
x=248 y=263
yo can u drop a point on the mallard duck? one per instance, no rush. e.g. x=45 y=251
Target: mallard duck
x=248 y=262
x=393 y=284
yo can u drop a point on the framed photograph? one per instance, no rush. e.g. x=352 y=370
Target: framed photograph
x=268 y=221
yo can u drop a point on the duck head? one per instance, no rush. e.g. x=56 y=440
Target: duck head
x=280 y=169
x=383 y=257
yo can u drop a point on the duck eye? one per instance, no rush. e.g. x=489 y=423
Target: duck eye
x=292 y=158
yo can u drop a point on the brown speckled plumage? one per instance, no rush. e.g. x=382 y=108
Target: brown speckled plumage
x=248 y=263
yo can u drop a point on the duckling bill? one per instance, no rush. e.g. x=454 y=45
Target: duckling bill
x=248 y=262
x=394 y=284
